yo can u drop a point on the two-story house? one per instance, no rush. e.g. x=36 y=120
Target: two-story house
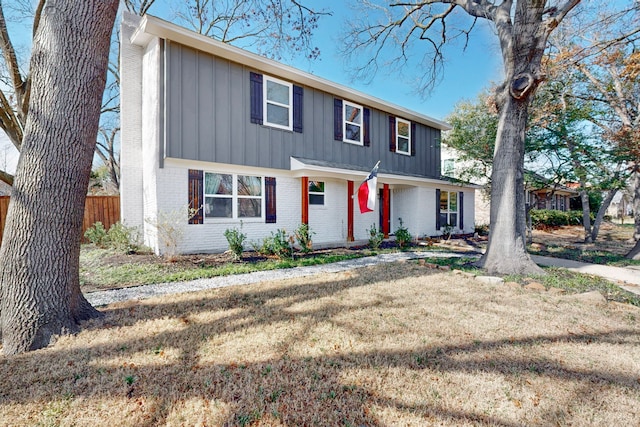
x=242 y=139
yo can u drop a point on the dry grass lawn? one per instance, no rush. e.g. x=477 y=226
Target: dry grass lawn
x=393 y=345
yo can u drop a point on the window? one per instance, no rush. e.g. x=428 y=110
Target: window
x=316 y=193
x=448 y=208
x=232 y=196
x=352 y=123
x=403 y=136
x=277 y=103
x=448 y=166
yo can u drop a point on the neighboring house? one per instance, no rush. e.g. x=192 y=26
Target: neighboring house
x=541 y=193
x=622 y=205
x=247 y=141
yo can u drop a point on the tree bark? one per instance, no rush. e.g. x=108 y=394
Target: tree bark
x=522 y=43
x=600 y=215
x=586 y=212
x=39 y=275
x=634 y=253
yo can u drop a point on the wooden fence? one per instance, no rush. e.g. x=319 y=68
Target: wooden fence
x=105 y=209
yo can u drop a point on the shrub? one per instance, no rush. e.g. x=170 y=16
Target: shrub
x=403 y=237
x=482 y=229
x=119 y=237
x=97 y=235
x=303 y=237
x=265 y=247
x=447 y=230
x=282 y=244
x=123 y=238
x=170 y=226
x=375 y=237
x=236 y=239
x=553 y=218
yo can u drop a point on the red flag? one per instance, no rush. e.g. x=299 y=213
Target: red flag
x=367 y=191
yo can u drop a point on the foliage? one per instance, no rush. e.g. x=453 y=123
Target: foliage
x=447 y=231
x=122 y=238
x=282 y=244
x=482 y=229
x=96 y=234
x=169 y=226
x=119 y=237
x=375 y=237
x=236 y=239
x=303 y=237
x=403 y=237
x=554 y=218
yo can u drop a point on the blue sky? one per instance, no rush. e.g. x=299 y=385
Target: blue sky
x=465 y=73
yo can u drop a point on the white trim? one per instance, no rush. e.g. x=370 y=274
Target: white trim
x=151 y=26
x=408 y=123
x=266 y=102
x=345 y=123
x=300 y=169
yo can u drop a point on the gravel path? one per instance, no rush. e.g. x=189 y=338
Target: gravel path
x=147 y=291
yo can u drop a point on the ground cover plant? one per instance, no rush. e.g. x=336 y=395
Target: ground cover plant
x=397 y=344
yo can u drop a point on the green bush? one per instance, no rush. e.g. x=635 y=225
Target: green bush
x=97 y=235
x=303 y=237
x=119 y=237
x=375 y=237
x=122 y=238
x=282 y=244
x=236 y=239
x=403 y=237
x=265 y=247
x=552 y=218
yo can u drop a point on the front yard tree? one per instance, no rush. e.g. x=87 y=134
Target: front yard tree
x=39 y=275
x=522 y=28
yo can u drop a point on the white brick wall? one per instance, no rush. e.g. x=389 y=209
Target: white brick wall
x=131 y=208
x=151 y=140
x=209 y=237
x=329 y=222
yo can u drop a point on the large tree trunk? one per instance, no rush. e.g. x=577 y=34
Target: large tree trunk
x=522 y=44
x=507 y=249
x=40 y=250
x=600 y=215
x=635 y=252
x=586 y=212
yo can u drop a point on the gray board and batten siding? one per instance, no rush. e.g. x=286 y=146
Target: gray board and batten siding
x=207 y=101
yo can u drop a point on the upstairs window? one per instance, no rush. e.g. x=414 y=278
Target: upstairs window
x=448 y=167
x=316 y=193
x=352 y=123
x=278 y=95
x=403 y=136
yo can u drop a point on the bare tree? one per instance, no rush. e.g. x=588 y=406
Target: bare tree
x=274 y=28
x=39 y=275
x=522 y=28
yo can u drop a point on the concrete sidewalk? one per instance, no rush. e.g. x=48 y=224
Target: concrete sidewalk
x=627 y=278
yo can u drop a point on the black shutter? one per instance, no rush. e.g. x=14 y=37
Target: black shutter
x=337 y=119
x=297 y=109
x=438 y=225
x=392 y=134
x=195 y=196
x=270 y=199
x=413 y=139
x=255 y=90
x=461 y=210
x=366 y=119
